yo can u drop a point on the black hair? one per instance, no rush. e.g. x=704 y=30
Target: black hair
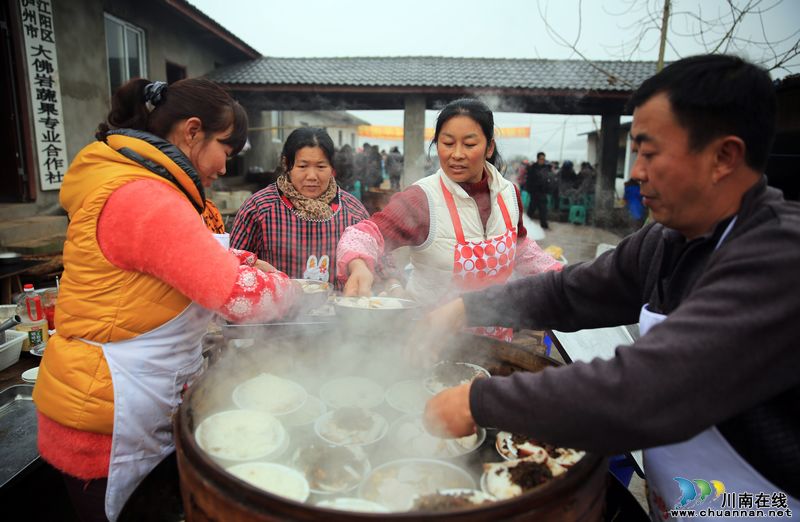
x=306 y=137
x=716 y=95
x=191 y=97
x=477 y=111
x=540 y=153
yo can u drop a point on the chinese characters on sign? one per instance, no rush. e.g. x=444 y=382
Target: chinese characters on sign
x=40 y=56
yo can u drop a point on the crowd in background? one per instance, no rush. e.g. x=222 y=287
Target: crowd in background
x=368 y=166
x=548 y=185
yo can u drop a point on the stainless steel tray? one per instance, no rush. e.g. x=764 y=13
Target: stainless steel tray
x=17 y=431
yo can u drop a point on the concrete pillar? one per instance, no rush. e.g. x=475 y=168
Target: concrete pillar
x=609 y=149
x=413 y=139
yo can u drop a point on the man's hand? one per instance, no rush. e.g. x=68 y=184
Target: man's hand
x=428 y=336
x=360 y=281
x=448 y=414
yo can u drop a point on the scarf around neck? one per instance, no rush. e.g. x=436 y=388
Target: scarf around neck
x=318 y=208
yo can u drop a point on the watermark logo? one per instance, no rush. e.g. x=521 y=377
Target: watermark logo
x=710 y=498
x=697 y=490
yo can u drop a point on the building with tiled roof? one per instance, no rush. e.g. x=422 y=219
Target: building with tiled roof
x=532 y=85
x=416 y=83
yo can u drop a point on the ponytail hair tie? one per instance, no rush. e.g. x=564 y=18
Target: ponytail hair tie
x=154 y=94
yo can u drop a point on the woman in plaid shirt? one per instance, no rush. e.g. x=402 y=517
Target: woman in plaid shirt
x=296 y=222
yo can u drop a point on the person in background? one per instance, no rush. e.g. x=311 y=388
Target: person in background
x=374 y=176
x=711 y=389
x=360 y=166
x=568 y=184
x=295 y=223
x=464 y=223
x=536 y=186
x=394 y=166
x=143 y=277
x=588 y=177
x=343 y=166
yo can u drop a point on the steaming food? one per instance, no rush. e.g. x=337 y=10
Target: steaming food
x=407 y=396
x=274 y=478
x=353 y=504
x=510 y=479
x=410 y=438
x=451 y=499
x=374 y=303
x=331 y=469
x=357 y=392
x=513 y=446
x=308 y=413
x=310 y=286
x=396 y=484
x=270 y=393
x=240 y=435
x=447 y=374
x=351 y=426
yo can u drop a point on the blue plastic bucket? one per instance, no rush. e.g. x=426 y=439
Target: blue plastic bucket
x=622 y=468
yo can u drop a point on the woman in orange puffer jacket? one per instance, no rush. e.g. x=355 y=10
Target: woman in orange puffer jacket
x=145 y=270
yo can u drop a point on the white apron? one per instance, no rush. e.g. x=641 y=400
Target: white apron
x=149 y=373
x=224 y=239
x=705 y=472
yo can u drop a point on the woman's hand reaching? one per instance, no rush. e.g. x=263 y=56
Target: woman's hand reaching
x=360 y=281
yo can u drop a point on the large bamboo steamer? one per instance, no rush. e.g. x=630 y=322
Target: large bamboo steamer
x=211 y=494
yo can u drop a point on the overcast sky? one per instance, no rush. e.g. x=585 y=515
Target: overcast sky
x=606 y=29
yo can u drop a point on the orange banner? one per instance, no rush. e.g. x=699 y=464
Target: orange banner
x=395 y=132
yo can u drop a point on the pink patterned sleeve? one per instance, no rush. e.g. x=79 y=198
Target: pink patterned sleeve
x=245 y=257
x=258 y=296
x=169 y=241
x=360 y=241
x=531 y=259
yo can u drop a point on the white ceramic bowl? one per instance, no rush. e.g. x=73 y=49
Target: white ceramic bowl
x=407 y=396
x=352 y=504
x=395 y=484
x=271 y=394
x=274 y=478
x=408 y=437
x=375 y=314
x=315 y=293
x=328 y=430
x=236 y=436
x=331 y=470
x=305 y=416
x=434 y=384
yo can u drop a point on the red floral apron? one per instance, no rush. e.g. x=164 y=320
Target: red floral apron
x=478 y=264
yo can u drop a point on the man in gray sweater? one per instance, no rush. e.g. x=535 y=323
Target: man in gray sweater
x=711 y=390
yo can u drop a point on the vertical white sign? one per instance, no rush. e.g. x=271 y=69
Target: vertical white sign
x=45 y=91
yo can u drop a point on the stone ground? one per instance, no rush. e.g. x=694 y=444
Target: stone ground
x=579 y=242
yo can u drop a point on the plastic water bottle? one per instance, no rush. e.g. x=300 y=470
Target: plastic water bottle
x=357 y=189
x=32 y=321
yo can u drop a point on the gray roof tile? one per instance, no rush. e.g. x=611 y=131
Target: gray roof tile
x=435 y=71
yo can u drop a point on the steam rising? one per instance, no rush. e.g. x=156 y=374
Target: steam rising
x=314 y=357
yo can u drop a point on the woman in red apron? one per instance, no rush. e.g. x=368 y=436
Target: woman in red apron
x=463 y=223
